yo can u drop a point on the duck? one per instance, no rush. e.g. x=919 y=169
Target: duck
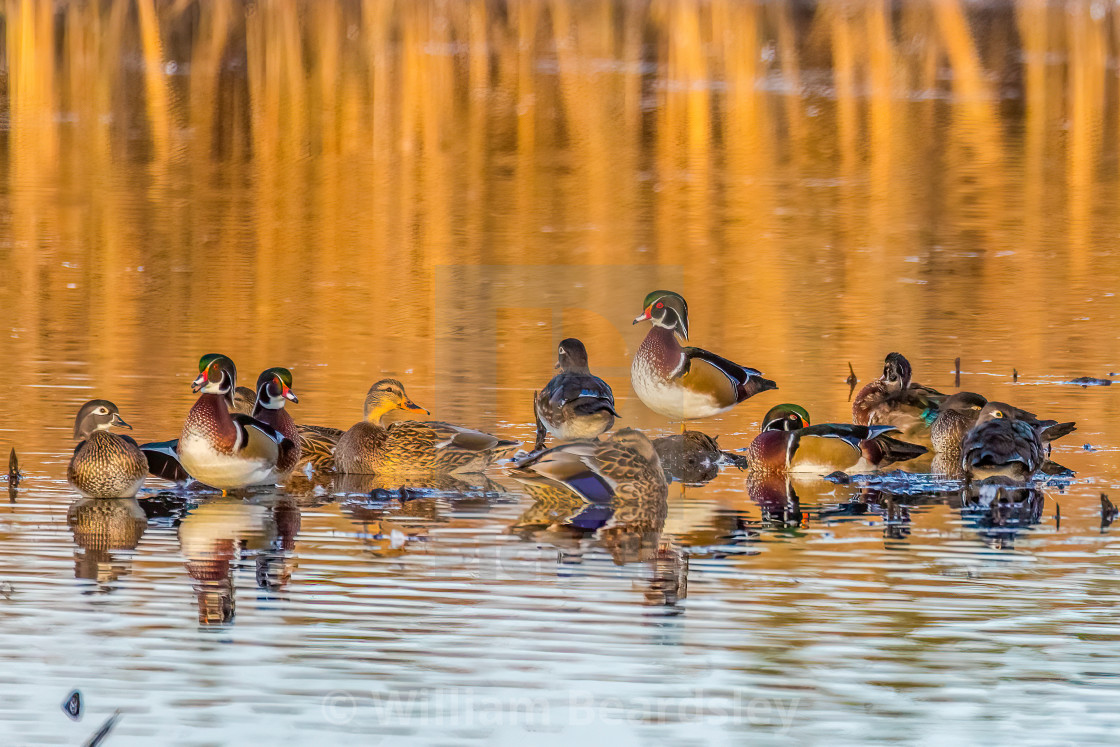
x=956 y=414
x=104 y=464
x=789 y=444
x=685 y=383
x=894 y=399
x=375 y=446
x=225 y=450
x=575 y=403
x=693 y=457
x=274 y=388
x=244 y=400
x=1007 y=441
x=614 y=486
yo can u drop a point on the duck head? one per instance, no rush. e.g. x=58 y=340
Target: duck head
x=572 y=357
x=996 y=411
x=384 y=397
x=666 y=309
x=787 y=417
x=216 y=375
x=273 y=387
x=97 y=415
x=896 y=372
x=963 y=402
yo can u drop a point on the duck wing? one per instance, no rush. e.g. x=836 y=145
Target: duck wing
x=317 y=444
x=258 y=440
x=725 y=380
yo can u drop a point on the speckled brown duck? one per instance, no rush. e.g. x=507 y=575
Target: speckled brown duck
x=594 y=485
x=789 y=444
x=575 y=403
x=411 y=446
x=104 y=464
x=682 y=382
x=894 y=399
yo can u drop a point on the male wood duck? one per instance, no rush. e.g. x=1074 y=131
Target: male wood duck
x=222 y=449
x=821 y=449
x=411 y=446
x=590 y=485
x=104 y=464
x=575 y=403
x=274 y=388
x=893 y=399
x=684 y=383
x=1010 y=442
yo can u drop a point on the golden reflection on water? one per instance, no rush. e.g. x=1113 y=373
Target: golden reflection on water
x=440 y=191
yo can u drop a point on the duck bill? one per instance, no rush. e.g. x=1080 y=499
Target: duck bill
x=290 y=395
x=119 y=421
x=198 y=383
x=410 y=405
x=645 y=316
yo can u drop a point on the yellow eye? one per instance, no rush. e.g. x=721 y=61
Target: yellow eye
x=997 y=414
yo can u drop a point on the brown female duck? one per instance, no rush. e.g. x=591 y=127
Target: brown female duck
x=410 y=446
x=104 y=464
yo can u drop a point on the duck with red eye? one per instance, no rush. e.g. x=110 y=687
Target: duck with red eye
x=224 y=450
x=105 y=465
x=274 y=389
x=685 y=383
x=1008 y=442
x=789 y=444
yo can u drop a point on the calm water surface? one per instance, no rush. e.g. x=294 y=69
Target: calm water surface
x=440 y=192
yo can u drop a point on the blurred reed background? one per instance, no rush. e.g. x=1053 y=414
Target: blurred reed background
x=282 y=181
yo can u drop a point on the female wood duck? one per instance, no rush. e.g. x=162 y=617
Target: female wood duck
x=104 y=464
x=820 y=449
x=575 y=403
x=588 y=485
x=955 y=416
x=893 y=399
x=1008 y=442
x=224 y=450
x=274 y=388
x=411 y=446
x=684 y=383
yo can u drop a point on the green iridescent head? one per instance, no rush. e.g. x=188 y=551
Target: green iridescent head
x=666 y=309
x=216 y=375
x=274 y=385
x=786 y=417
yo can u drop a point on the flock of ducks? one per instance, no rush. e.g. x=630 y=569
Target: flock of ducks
x=234 y=438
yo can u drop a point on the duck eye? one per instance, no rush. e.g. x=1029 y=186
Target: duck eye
x=102 y=411
x=660 y=305
x=997 y=414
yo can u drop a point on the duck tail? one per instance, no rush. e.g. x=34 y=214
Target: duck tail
x=163 y=460
x=1056 y=431
x=753 y=385
x=884 y=450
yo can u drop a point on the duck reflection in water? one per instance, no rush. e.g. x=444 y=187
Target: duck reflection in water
x=776 y=496
x=612 y=491
x=104 y=530
x=212 y=537
x=1001 y=507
